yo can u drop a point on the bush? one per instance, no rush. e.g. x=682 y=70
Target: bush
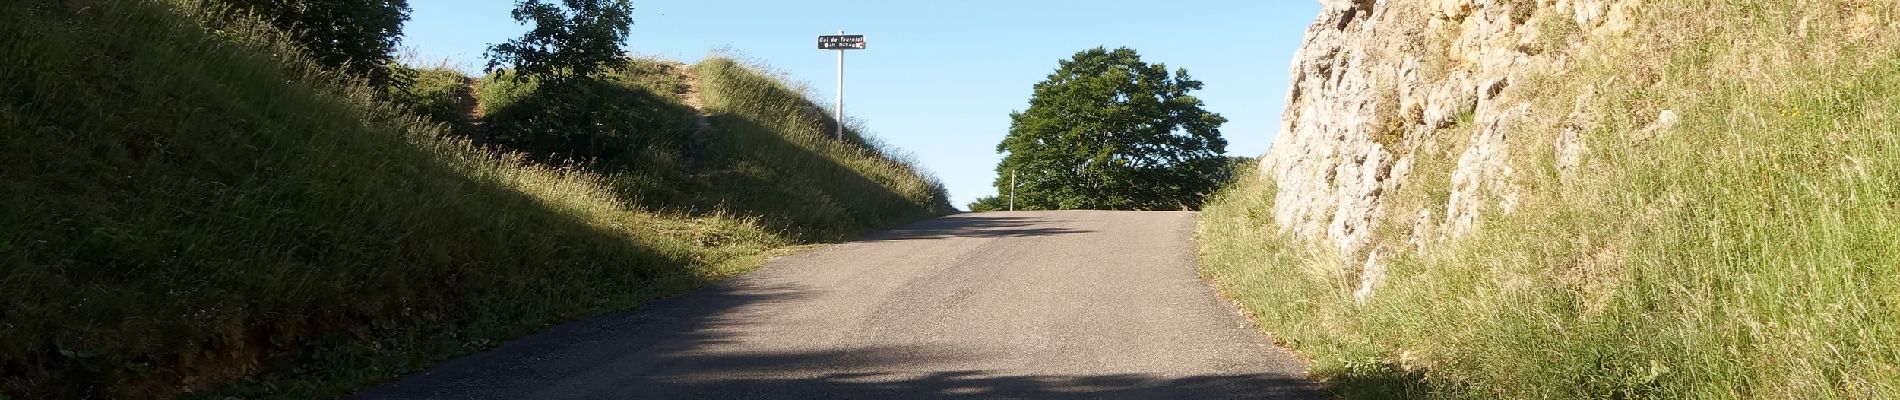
x=614 y=122
x=989 y=203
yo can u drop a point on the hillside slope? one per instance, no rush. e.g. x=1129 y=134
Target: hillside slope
x=194 y=210
x=1582 y=199
x=772 y=141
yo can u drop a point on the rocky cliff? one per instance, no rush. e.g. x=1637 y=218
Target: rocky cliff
x=1377 y=82
x=1556 y=199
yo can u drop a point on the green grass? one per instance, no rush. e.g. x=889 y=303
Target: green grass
x=1746 y=253
x=438 y=93
x=770 y=153
x=774 y=156
x=500 y=90
x=185 y=213
x=628 y=119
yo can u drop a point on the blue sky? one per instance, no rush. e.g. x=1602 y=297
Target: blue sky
x=940 y=78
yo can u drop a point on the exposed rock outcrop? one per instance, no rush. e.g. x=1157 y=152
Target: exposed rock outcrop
x=1376 y=80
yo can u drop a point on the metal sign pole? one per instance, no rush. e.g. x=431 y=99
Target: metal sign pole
x=840 y=42
x=1012 y=190
x=840 y=111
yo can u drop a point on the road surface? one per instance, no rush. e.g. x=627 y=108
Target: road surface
x=1068 y=304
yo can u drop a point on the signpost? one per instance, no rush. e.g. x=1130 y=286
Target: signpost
x=841 y=42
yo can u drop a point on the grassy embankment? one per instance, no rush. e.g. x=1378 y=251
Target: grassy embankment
x=1749 y=252
x=184 y=210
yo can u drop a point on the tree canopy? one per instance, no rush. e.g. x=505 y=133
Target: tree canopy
x=572 y=106
x=577 y=39
x=1109 y=131
x=358 y=37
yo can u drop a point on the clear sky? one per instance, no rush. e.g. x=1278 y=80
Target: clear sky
x=941 y=77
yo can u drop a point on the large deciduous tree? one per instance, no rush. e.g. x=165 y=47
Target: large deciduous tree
x=358 y=37
x=1109 y=131
x=574 y=40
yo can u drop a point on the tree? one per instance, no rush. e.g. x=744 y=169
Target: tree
x=571 y=112
x=357 y=37
x=1109 y=131
x=574 y=41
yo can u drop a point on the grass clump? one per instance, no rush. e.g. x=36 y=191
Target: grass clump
x=201 y=210
x=1746 y=252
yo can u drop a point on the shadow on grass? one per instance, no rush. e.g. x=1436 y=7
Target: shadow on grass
x=1376 y=381
x=747 y=169
x=741 y=167
x=194 y=224
x=614 y=126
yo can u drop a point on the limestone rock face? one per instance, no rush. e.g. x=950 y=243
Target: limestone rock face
x=1376 y=79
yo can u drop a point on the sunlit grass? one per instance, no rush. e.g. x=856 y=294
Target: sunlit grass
x=1746 y=253
x=200 y=210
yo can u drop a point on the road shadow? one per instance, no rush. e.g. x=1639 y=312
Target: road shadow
x=1383 y=380
x=682 y=348
x=975 y=225
x=971 y=384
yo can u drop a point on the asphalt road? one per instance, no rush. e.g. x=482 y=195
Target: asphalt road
x=1070 y=304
